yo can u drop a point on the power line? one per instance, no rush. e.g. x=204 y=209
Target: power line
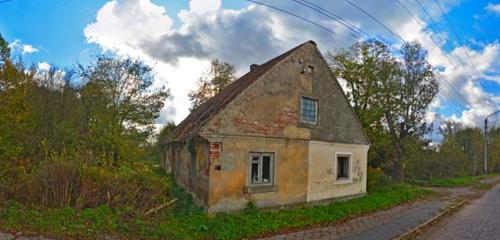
x=441 y=34
x=375 y=19
x=332 y=16
x=339 y=19
x=395 y=34
x=323 y=11
x=293 y=14
x=401 y=38
x=434 y=41
x=429 y=34
x=457 y=36
x=459 y=41
x=447 y=56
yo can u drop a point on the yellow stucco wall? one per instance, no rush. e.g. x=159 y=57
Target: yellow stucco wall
x=228 y=185
x=322 y=172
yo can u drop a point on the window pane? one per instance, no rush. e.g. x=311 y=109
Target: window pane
x=266 y=169
x=309 y=110
x=342 y=167
x=255 y=173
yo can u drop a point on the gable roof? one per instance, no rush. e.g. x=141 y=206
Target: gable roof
x=201 y=115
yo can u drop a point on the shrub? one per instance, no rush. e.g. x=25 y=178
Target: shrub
x=15 y=179
x=136 y=187
x=376 y=178
x=57 y=183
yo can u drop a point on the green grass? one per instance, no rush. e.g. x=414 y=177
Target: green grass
x=453 y=182
x=186 y=221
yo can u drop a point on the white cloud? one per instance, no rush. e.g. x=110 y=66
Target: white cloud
x=123 y=25
x=24 y=49
x=204 y=6
x=27 y=49
x=254 y=34
x=494 y=8
x=44 y=66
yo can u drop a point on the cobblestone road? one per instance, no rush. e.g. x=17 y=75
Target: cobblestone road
x=479 y=220
x=381 y=225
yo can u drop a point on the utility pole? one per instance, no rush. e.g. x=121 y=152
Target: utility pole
x=486 y=145
x=486 y=141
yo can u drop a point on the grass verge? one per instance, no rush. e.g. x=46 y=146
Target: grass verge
x=186 y=221
x=454 y=182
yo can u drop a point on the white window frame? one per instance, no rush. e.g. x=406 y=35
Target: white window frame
x=260 y=162
x=315 y=113
x=348 y=179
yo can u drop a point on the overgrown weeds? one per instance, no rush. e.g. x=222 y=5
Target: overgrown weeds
x=63 y=182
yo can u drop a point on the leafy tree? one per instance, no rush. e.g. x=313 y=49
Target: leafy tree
x=449 y=129
x=164 y=134
x=218 y=77
x=389 y=94
x=4 y=50
x=57 y=112
x=471 y=141
x=15 y=115
x=365 y=66
x=406 y=100
x=120 y=106
x=493 y=151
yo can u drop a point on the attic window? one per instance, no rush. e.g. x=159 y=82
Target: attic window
x=309 y=110
x=310 y=69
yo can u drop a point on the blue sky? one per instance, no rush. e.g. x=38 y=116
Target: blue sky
x=56 y=27
x=64 y=32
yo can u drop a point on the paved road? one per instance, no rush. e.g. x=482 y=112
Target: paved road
x=380 y=225
x=478 y=220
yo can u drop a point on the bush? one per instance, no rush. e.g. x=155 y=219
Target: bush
x=57 y=183
x=15 y=179
x=136 y=187
x=376 y=178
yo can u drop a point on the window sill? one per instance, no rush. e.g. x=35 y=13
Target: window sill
x=342 y=181
x=309 y=125
x=261 y=189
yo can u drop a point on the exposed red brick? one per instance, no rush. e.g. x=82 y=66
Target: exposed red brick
x=215 y=150
x=287 y=117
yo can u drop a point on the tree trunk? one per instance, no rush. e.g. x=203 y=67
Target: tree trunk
x=115 y=158
x=398 y=162
x=398 y=171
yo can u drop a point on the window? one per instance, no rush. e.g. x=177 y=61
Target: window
x=261 y=168
x=309 y=110
x=343 y=162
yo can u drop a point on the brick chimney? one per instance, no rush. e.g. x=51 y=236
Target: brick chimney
x=254 y=66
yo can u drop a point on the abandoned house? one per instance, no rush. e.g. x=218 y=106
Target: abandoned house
x=284 y=133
